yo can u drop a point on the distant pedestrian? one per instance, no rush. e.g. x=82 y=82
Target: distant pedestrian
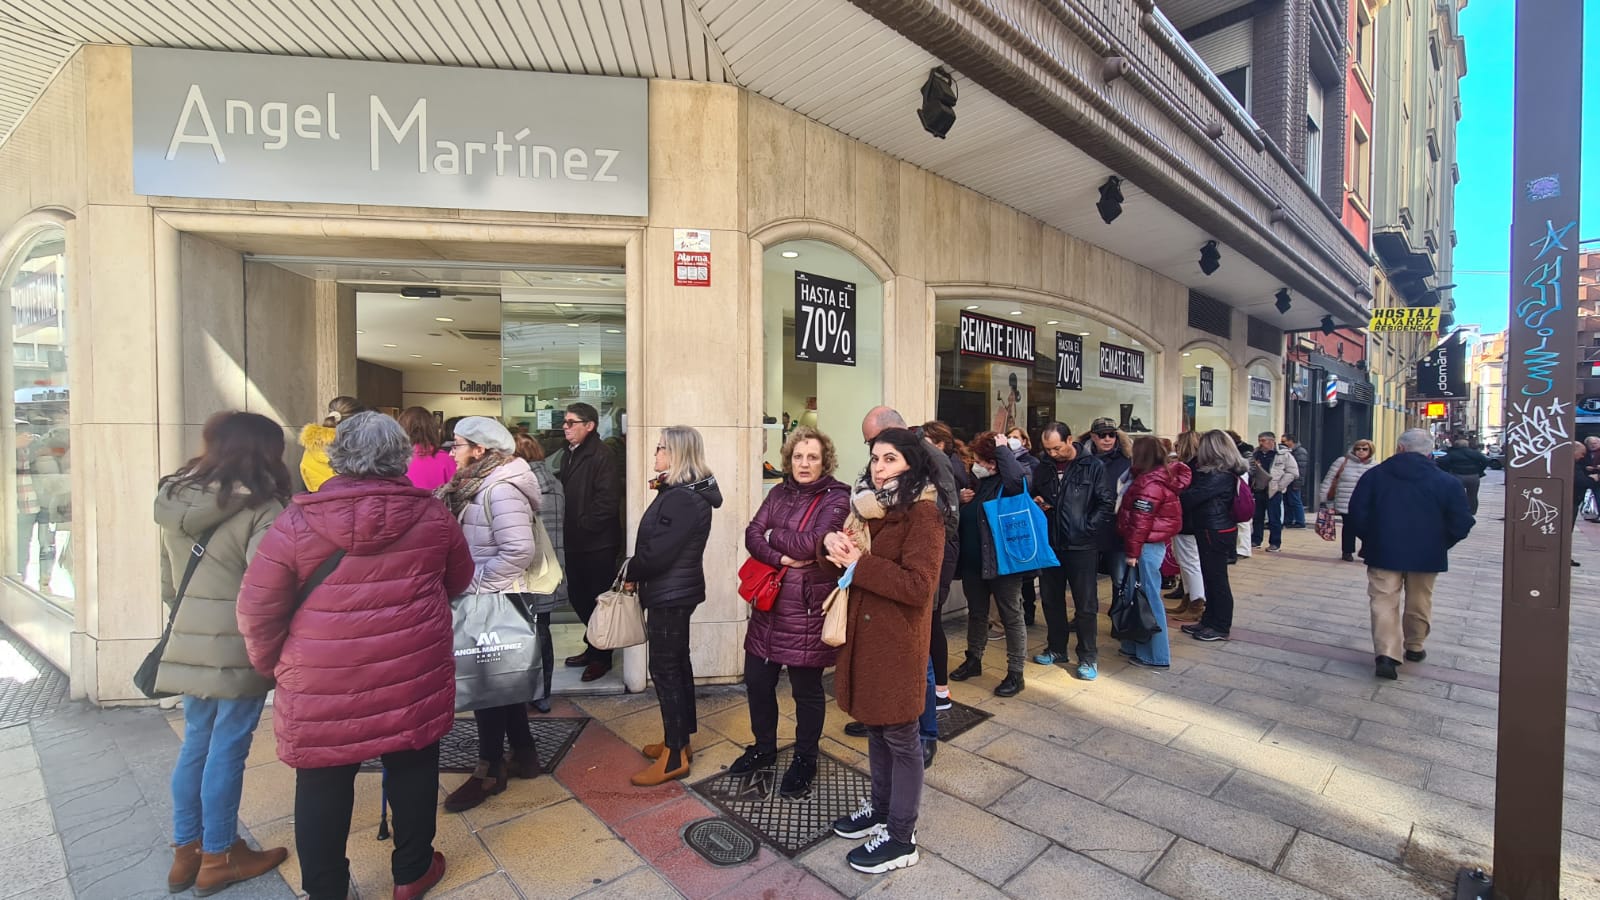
x=363 y=662
x=431 y=466
x=1151 y=514
x=592 y=479
x=1272 y=470
x=1408 y=514
x=879 y=681
x=213 y=513
x=786 y=534
x=1468 y=465
x=999 y=473
x=1080 y=501
x=1339 y=484
x=668 y=569
x=1208 y=515
x=1294 y=507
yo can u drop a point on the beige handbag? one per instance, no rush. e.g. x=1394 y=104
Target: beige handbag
x=835 y=616
x=618 y=620
x=544 y=575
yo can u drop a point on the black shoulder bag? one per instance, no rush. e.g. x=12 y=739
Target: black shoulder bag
x=145 y=678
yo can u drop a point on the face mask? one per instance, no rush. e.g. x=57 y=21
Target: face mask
x=979 y=470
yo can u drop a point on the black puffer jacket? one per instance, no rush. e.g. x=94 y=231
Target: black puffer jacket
x=978 y=554
x=1464 y=461
x=669 y=552
x=1117 y=465
x=1083 y=502
x=1208 y=501
x=592 y=482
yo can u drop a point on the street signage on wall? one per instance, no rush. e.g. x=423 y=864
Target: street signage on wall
x=1208 y=389
x=1121 y=363
x=996 y=339
x=1406 y=318
x=1443 y=372
x=1069 y=362
x=824 y=320
x=1260 y=390
x=691 y=257
x=245 y=126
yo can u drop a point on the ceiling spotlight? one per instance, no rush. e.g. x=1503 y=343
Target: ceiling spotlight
x=938 y=110
x=452 y=370
x=417 y=293
x=1053 y=322
x=416 y=356
x=1186 y=353
x=789 y=254
x=1327 y=325
x=1210 y=259
x=1016 y=312
x=391 y=346
x=613 y=331
x=1283 y=300
x=572 y=324
x=973 y=306
x=443 y=319
x=1110 y=203
x=1083 y=334
x=435 y=364
x=359 y=331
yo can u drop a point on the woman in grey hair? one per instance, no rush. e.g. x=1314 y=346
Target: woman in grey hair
x=362 y=658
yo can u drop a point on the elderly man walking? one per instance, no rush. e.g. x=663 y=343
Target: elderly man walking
x=1408 y=513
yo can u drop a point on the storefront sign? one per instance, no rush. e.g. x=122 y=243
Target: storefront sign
x=1443 y=372
x=1406 y=318
x=996 y=339
x=1208 y=390
x=1260 y=390
x=1121 y=363
x=824 y=320
x=246 y=126
x=691 y=257
x=1069 y=362
x=480 y=390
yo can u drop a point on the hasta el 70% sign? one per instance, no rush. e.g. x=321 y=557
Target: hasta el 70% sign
x=824 y=320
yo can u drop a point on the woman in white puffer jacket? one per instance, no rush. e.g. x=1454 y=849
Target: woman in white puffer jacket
x=1340 y=483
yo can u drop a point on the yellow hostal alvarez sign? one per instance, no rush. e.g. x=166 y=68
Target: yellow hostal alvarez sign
x=1406 y=318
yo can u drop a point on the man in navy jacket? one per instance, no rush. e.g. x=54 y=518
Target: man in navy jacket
x=1409 y=514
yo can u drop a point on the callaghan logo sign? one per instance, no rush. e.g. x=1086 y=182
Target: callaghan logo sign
x=255 y=127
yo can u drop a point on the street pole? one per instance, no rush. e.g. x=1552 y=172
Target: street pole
x=1539 y=418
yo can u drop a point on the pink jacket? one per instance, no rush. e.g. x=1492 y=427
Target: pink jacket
x=430 y=471
x=365 y=665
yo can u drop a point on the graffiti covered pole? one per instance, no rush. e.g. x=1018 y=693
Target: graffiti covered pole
x=1541 y=366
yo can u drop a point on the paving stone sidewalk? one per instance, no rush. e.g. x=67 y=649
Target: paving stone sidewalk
x=1270 y=766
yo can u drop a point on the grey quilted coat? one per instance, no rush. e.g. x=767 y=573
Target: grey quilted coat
x=206 y=656
x=1341 y=480
x=498 y=524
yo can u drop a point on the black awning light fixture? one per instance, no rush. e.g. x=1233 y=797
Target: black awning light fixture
x=1110 y=203
x=939 y=95
x=1327 y=325
x=1283 y=300
x=1210 y=258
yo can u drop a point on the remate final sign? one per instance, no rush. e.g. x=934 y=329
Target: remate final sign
x=996 y=339
x=1121 y=363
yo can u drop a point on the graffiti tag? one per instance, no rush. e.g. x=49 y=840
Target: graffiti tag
x=1535 y=432
x=1543 y=515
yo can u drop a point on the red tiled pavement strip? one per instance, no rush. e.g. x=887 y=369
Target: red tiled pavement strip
x=651 y=820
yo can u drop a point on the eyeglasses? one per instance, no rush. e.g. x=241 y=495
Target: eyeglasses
x=571 y=423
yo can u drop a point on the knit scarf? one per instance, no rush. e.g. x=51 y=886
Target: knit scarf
x=469 y=481
x=869 y=502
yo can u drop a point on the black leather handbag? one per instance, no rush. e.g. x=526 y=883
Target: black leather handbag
x=145 y=678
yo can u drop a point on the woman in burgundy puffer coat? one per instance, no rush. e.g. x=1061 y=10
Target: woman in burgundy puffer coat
x=1150 y=515
x=364 y=665
x=786 y=533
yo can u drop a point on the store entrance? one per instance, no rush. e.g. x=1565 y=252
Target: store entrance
x=515 y=344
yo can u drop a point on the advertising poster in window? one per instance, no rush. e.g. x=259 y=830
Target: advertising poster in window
x=1008 y=396
x=824 y=320
x=1208 y=394
x=1069 y=362
x=1121 y=363
x=1260 y=390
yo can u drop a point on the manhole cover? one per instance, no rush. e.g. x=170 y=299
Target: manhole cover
x=958 y=719
x=458 y=749
x=788 y=826
x=720 y=841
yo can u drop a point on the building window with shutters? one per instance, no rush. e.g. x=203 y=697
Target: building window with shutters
x=1314 y=101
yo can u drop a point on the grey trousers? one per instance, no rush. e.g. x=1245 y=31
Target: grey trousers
x=1007 y=593
x=895 y=754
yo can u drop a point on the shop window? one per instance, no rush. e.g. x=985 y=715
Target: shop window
x=39 y=495
x=1262 y=400
x=822 y=322
x=1207 y=390
x=1003 y=364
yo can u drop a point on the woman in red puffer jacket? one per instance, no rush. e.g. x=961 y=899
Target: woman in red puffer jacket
x=364 y=666
x=1151 y=515
x=786 y=533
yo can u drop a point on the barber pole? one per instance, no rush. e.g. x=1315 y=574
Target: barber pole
x=1330 y=393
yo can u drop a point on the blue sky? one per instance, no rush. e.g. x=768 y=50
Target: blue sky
x=1483 y=199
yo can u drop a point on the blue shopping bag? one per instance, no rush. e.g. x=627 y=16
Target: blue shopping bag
x=1021 y=533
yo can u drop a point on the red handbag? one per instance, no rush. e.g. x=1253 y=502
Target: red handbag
x=759 y=583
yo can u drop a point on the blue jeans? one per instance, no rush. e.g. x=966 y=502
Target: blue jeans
x=1269 y=513
x=928 y=722
x=1155 y=651
x=1294 y=510
x=209 y=775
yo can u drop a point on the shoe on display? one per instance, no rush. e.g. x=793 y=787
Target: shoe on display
x=882 y=853
x=966 y=670
x=860 y=823
x=753 y=759
x=1137 y=427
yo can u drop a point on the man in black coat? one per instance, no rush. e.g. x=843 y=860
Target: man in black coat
x=592 y=481
x=1109 y=445
x=1081 y=501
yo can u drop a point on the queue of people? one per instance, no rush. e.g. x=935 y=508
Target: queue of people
x=340 y=597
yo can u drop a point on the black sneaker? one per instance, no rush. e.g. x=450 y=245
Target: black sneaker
x=967 y=669
x=942 y=703
x=1416 y=655
x=798 y=777
x=860 y=823
x=1011 y=686
x=929 y=748
x=1207 y=633
x=1386 y=668
x=882 y=854
x=855 y=729
x=751 y=760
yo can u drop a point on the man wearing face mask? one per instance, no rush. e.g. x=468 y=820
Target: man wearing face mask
x=1109 y=445
x=1081 y=503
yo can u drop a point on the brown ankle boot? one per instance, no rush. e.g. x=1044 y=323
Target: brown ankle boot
x=1180 y=609
x=658 y=773
x=238 y=863
x=524 y=764
x=485 y=781
x=185 y=867
x=654 y=751
x=1197 y=608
